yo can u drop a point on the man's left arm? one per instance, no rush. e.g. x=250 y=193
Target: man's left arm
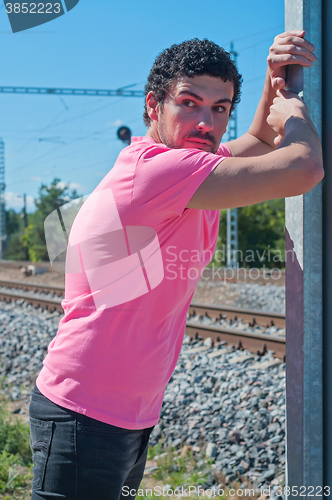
x=288 y=48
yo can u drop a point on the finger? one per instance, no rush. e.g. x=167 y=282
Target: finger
x=286 y=94
x=294 y=50
x=277 y=141
x=277 y=61
x=292 y=39
x=278 y=83
x=292 y=33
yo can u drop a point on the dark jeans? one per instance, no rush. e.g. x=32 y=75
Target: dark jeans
x=79 y=458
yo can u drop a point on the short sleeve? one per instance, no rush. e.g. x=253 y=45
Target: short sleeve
x=166 y=179
x=224 y=150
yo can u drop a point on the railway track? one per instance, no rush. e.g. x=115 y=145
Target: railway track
x=227 y=275
x=35 y=287
x=256 y=342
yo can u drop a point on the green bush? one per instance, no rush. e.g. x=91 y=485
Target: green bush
x=15 y=457
x=261 y=234
x=14 y=437
x=11 y=472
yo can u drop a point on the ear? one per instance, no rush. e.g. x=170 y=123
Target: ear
x=152 y=106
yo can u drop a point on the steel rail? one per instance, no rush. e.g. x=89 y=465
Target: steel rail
x=37 y=287
x=49 y=304
x=258 y=343
x=251 y=316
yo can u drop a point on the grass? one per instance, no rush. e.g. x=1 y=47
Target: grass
x=178 y=470
x=15 y=457
x=183 y=469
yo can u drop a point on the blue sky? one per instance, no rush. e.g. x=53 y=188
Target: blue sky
x=109 y=46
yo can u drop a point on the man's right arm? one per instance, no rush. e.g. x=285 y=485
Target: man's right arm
x=292 y=169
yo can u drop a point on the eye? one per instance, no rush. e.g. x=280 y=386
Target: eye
x=220 y=109
x=189 y=103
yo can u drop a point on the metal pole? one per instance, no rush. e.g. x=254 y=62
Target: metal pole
x=327 y=240
x=25 y=220
x=304 y=272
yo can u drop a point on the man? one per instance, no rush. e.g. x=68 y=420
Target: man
x=136 y=251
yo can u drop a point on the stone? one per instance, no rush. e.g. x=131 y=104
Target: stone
x=241 y=359
x=268 y=475
x=211 y=450
x=235 y=436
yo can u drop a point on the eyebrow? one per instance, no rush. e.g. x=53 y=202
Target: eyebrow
x=199 y=98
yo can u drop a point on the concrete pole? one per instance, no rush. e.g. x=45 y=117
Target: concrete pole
x=304 y=299
x=327 y=239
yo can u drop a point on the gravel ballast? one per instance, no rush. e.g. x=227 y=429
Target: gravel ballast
x=228 y=404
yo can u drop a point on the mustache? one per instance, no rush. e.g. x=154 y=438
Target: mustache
x=204 y=137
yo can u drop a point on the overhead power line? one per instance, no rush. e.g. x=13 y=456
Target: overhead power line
x=79 y=92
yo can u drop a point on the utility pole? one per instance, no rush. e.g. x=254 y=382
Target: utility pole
x=232 y=216
x=2 y=200
x=308 y=277
x=25 y=220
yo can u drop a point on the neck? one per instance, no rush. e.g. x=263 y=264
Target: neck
x=153 y=132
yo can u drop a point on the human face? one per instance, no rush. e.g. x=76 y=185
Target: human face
x=195 y=113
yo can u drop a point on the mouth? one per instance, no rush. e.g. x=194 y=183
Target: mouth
x=200 y=141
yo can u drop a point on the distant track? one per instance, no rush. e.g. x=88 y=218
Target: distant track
x=241 y=275
x=49 y=304
x=36 y=287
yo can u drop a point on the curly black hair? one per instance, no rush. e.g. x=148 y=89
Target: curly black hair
x=190 y=58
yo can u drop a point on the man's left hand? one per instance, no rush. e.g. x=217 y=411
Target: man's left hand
x=288 y=48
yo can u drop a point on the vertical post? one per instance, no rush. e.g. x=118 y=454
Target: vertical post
x=327 y=239
x=232 y=237
x=25 y=220
x=304 y=328
x=2 y=200
x=232 y=214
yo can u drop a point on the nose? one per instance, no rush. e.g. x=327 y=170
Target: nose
x=205 y=121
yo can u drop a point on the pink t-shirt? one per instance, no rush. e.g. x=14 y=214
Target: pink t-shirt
x=134 y=257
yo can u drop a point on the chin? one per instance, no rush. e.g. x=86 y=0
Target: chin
x=207 y=148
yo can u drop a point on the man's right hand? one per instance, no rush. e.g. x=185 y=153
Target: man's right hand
x=285 y=106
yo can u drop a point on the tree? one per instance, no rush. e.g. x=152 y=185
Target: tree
x=50 y=198
x=14 y=222
x=14 y=232
x=261 y=235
